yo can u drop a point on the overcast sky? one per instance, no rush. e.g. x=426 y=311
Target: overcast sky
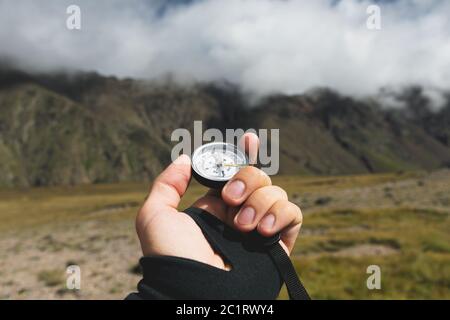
x=263 y=45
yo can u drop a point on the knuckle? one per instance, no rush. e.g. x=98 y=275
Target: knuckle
x=257 y=197
x=281 y=205
x=252 y=173
x=297 y=212
x=264 y=177
x=248 y=171
x=290 y=209
x=267 y=193
x=281 y=192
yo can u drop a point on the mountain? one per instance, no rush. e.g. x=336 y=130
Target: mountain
x=64 y=129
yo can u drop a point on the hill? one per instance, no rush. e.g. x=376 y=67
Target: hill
x=65 y=129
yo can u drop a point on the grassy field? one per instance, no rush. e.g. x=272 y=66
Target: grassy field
x=399 y=222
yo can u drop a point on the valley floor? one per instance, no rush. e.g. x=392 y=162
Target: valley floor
x=398 y=222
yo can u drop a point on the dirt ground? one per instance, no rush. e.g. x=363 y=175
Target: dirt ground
x=102 y=242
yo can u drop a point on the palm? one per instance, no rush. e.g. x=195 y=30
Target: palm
x=174 y=233
x=163 y=230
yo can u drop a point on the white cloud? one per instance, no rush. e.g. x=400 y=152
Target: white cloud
x=263 y=45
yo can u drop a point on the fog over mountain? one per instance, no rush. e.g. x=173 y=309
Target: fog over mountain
x=263 y=46
x=84 y=128
x=77 y=106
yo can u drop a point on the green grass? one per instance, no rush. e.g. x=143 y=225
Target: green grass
x=403 y=276
x=33 y=207
x=51 y=278
x=417 y=267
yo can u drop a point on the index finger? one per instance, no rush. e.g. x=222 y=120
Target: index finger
x=249 y=143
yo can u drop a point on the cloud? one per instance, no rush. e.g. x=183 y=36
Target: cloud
x=263 y=45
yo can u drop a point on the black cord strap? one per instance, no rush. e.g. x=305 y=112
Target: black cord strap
x=284 y=265
x=245 y=249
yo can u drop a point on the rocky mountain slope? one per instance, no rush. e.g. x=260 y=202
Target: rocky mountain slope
x=86 y=128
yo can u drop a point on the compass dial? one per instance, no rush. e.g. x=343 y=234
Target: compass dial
x=215 y=163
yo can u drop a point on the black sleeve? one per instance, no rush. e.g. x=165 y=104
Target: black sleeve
x=253 y=274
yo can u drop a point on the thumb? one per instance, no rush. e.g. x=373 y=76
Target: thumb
x=167 y=190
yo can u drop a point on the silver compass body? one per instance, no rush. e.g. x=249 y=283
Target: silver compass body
x=215 y=163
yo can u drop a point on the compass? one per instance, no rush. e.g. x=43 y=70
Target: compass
x=215 y=163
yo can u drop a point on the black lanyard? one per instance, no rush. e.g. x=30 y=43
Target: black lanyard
x=270 y=245
x=284 y=265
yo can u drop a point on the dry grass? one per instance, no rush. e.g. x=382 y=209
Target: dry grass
x=397 y=221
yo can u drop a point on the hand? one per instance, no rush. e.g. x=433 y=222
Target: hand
x=249 y=201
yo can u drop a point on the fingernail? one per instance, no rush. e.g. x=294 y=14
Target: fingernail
x=246 y=216
x=236 y=189
x=268 y=221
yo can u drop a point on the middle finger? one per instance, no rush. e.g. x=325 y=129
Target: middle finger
x=256 y=206
x=243 y=184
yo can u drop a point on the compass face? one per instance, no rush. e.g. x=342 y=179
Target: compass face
x=217 y=162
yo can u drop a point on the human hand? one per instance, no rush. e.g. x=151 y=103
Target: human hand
x=248 y=201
